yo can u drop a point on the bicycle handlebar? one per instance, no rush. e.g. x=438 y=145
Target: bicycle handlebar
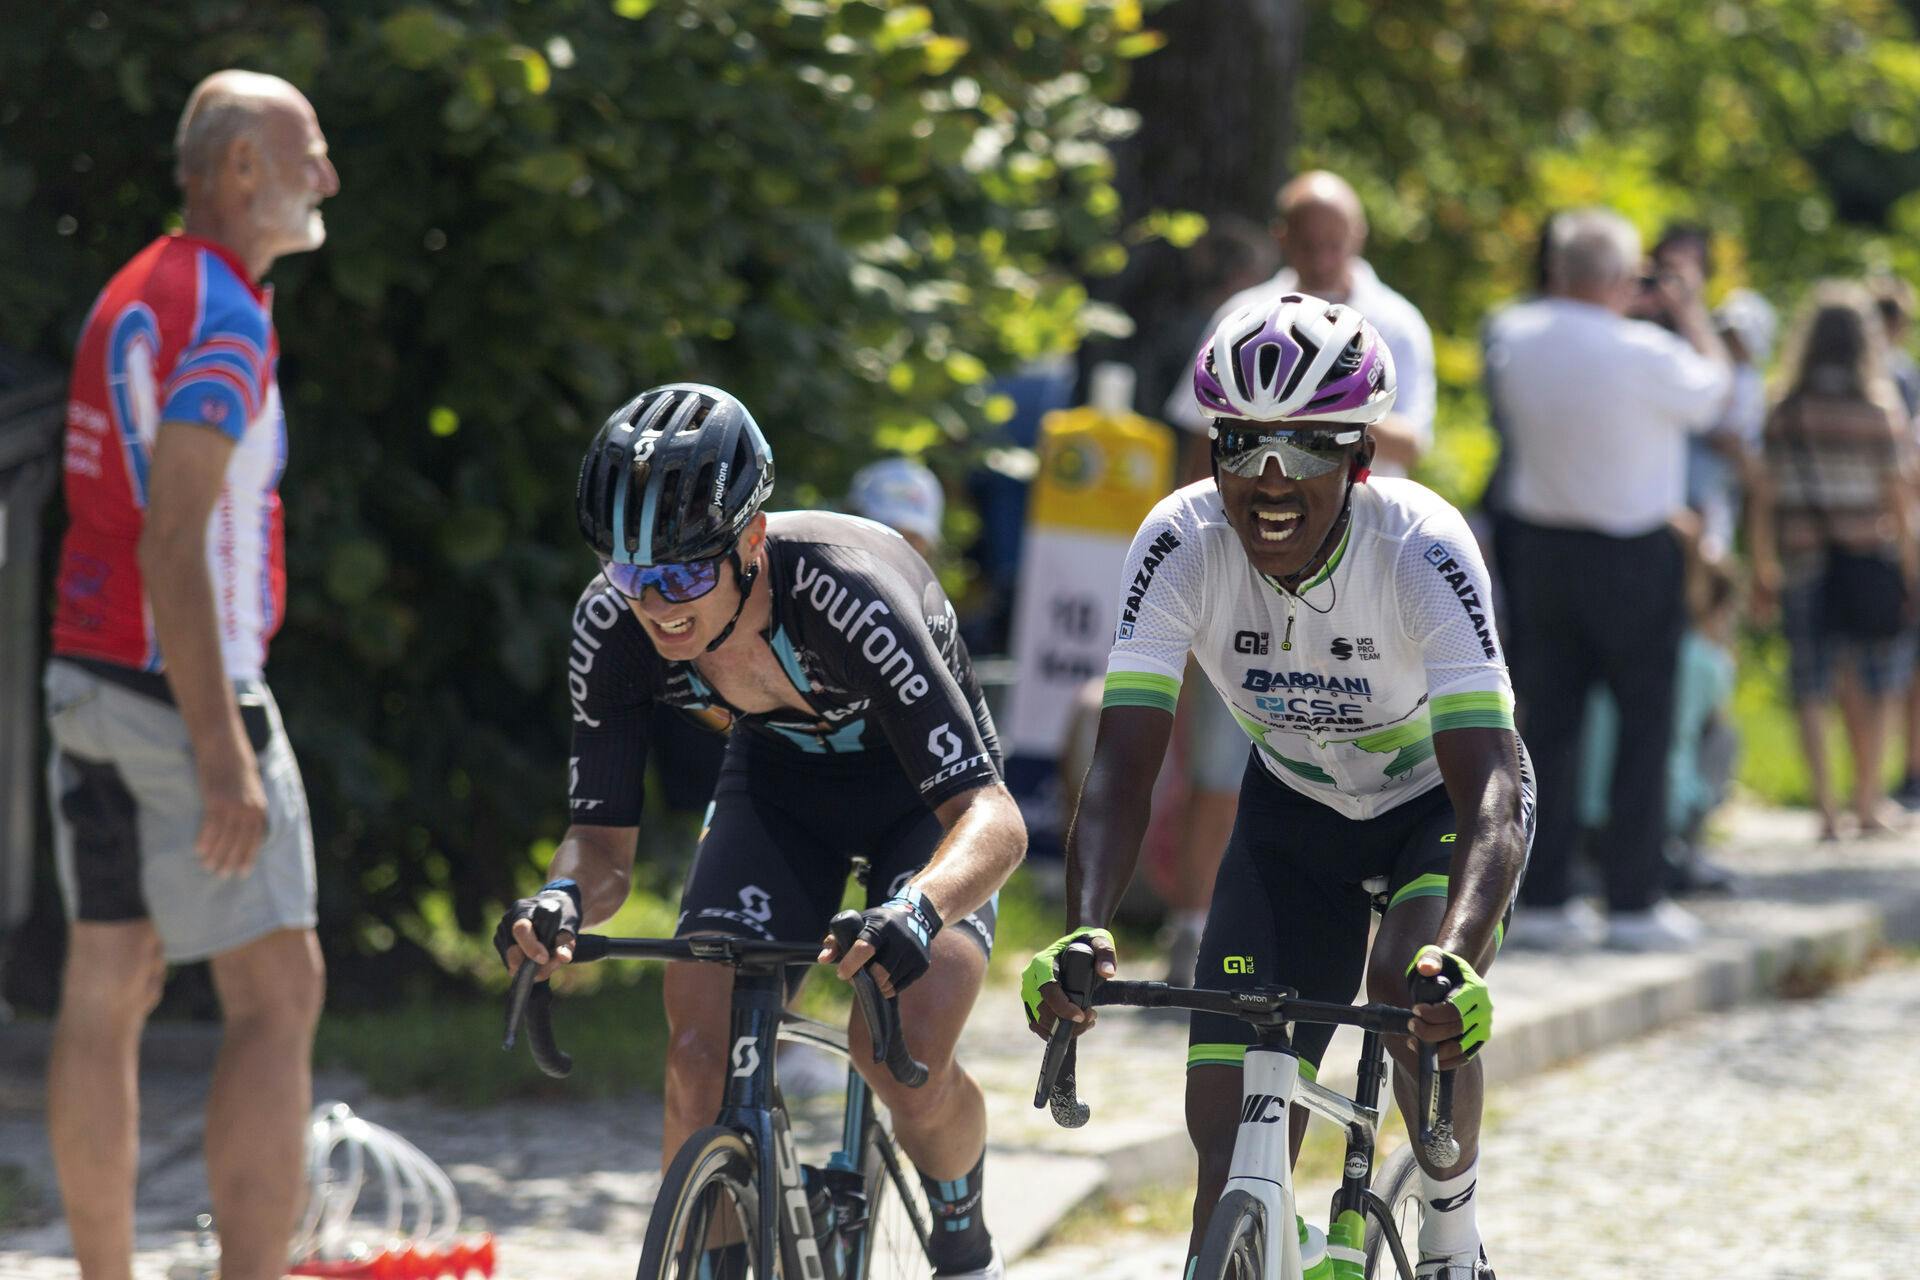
x=1057 y=1087
x=882 y=1013
x=531 y=1002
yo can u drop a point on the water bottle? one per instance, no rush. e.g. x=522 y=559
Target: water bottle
x=1347 y=1246
x=1314 y=1262
x=826 y=1227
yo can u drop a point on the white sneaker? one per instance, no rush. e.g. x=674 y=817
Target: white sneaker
x=994 y=1270
x=1576 y=926
x=1666 y=926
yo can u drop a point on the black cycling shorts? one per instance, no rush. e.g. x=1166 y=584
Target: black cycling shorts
x=782 y=833
x=1292 y=906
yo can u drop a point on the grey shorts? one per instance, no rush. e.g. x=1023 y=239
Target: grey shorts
x=126 y=810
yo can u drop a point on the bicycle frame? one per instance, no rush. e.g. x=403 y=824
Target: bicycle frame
x=1271 y=1085
x=759 y=1016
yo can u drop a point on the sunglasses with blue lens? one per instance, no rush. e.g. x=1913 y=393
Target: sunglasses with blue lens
x=676 y=583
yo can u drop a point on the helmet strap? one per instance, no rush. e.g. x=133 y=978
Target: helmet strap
x=744 y=580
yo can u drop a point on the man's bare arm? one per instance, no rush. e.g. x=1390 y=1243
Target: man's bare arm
x=986 y=842
x=1481 y=769
x=186 y=475
x=600 y=861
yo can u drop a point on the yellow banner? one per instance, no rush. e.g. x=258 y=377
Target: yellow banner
x=1099 y=472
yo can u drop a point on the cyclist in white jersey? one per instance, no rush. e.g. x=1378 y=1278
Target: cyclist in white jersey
x=1345 y=623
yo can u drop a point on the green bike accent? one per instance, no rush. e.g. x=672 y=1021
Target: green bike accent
x=1346 y=1245
x=1039 y=970
x=1469 y=995
x=1140 y=689
x=1315 y=1264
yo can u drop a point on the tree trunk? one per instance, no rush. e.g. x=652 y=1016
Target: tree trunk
x=1216 y=126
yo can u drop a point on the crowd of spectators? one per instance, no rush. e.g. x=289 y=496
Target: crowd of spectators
x=1660 y=483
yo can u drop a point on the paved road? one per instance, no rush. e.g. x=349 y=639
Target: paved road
x=1777 y=1142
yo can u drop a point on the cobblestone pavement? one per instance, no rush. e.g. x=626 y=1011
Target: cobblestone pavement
x=1776 y=1142
x=567 y=1184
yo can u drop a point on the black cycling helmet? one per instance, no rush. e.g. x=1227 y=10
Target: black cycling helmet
x=674 y=475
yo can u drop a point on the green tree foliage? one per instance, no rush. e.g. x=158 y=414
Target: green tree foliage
x=851 y=213
x=1788 y=126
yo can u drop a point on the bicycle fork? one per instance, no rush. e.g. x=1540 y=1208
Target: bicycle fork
x=785 y=1222
x=1262 y=1151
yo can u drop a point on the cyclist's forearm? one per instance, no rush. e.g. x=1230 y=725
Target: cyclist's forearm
x=985 y=842
x=1484 y=871
x=1103 y=844
x=1103 y=848
x=1481 y=767
x=600 y=861
x=1487 y=860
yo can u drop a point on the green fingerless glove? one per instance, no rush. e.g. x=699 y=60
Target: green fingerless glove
x=1468 y=993
x=1040 y=969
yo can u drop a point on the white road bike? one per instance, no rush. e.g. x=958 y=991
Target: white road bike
x=1252 y=1234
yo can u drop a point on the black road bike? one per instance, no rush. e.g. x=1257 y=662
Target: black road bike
x=736 y=1203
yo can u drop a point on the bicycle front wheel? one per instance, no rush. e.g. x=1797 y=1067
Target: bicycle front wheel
x=1399 y=1188
x=1235 y=1246
x=893 y=1246
x=704 y=1222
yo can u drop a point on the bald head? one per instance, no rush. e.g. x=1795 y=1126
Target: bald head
x=253 y=164
x=225 y=107
x=1320 y=189
x=1321 y=229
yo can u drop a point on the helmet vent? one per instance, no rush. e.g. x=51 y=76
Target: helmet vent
x=1269 y=363
x=1309 y=352
x=1240 y=371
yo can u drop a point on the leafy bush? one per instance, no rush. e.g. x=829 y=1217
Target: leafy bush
x=853 y=214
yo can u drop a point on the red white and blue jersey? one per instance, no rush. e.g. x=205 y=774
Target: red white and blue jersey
x=179 y=336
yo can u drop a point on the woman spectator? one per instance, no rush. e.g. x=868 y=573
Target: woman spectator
x=1831 y=539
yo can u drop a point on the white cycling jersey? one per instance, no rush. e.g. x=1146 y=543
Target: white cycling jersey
x=1342 y=686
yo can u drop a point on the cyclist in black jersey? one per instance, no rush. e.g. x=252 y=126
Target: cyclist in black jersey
x=859 y=729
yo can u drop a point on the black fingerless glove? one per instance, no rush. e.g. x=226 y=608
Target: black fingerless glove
x=555 y=909
x=901 y=931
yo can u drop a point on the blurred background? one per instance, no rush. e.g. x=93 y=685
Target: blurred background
x=892 y=229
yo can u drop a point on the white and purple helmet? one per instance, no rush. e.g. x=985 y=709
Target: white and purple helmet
x=1301 y=358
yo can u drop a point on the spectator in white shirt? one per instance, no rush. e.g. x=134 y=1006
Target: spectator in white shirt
x=1321 y=230
x=1596 y=409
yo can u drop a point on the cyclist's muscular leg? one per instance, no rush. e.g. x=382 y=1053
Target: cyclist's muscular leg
x=698 y=1013
x=1403 y=931
x=942 y=1125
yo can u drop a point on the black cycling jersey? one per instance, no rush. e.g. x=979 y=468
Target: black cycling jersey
x=861 y=627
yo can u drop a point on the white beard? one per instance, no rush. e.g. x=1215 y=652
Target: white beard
x=294 y=220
